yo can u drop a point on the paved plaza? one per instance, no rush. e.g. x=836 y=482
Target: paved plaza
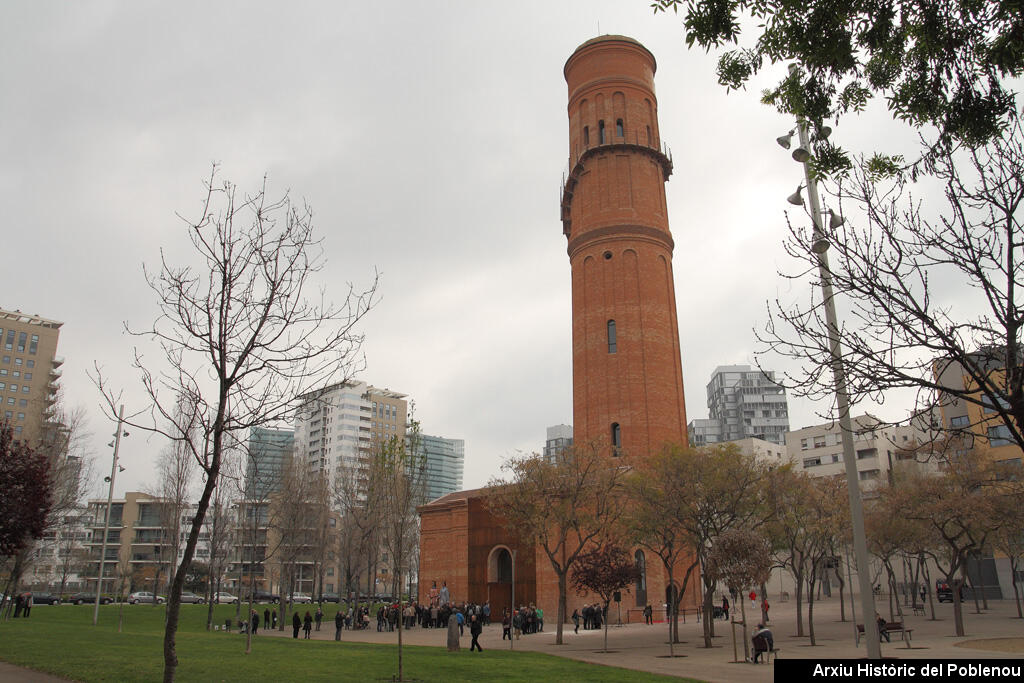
x=995 y=633
x=645 y=648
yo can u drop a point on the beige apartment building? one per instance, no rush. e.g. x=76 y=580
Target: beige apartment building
x=29 y=373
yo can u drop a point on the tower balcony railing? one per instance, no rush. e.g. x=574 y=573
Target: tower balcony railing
x=660 y=152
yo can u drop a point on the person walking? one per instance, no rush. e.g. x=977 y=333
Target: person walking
x=273 y=619
x=462 y=621
x=339 y=623
x=576 y=621
x=307 y=624
x=296 y=624
x=319 y=616
x=474 y=630
x=506 y=626
x=255 y=618
x=266 y=618
x=648 y=615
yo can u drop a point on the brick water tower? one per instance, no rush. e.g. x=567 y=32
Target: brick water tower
x=627 y=374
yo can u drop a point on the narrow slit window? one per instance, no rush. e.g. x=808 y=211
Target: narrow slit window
x=612 y=344
x=600 y=132
x=586 y=136
x=619 y=129
x=616 y=438
x=650 y=140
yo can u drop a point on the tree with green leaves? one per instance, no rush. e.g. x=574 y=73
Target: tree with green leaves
x=604 y=570
x=945 y=64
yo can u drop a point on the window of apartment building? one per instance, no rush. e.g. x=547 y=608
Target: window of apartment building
x=868 y=474
x=803 y=444
x=330 y=571
x=21 y=416
x=17 y=430
x=999 y=435
x=22 y=402
x=812 y=462
x=31 y=363
x=10 y=401
x=22 y=339
x=14 y=388
x=17 y=361
x=34 y=344
x=2 y=386
x=9 y=344
x=3 y=372
x=24 y=388
x=616 y=437
x=8 y=414
x=7 y=359
x=989 y=407
x=819 y=441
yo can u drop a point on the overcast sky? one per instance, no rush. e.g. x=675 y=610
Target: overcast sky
x=430 y=139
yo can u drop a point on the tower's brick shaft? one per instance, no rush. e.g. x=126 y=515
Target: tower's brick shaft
x=627 y=375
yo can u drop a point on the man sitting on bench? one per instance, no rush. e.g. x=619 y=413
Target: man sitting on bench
x=763 y=641
x=882 y=632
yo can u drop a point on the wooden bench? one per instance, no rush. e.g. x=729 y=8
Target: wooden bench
x=890 y=628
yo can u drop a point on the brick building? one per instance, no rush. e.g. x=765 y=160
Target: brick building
x=627 y=372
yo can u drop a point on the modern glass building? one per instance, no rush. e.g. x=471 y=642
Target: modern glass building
x=445 y=459
x=268 y=450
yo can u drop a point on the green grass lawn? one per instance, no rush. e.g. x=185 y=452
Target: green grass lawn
x=62 y=640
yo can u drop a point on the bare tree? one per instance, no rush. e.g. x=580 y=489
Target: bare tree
x=932 y=289
x=604 y=570
x=397 y=469
x=740 y=560
x=240 y=338
x=564 y=505
x=175 y=472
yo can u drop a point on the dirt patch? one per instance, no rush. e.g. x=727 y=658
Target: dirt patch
x=1010 y=645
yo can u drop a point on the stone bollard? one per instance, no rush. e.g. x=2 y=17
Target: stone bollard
x=453 y=634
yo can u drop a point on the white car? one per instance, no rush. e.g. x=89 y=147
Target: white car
x=144 y=596
x=225 y=598
x=300 y=597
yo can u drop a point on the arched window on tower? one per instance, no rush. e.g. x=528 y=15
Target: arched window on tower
x=620 y=131
x=600 y=132
x=612 y=346
x=616 y=439
x=641 y=578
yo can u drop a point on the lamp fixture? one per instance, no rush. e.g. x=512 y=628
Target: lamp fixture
x=110 y=445
x=801 y=154
x=785 y=140
x=835 y=220
x=796 y=199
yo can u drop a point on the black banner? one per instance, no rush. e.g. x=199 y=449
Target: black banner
x=897 y=670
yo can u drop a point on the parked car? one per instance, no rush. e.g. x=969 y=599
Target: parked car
x=144 y=596
x=330 y=597
x=944 y=592
x=264 y=596
x=225 y=598
x=300 y=597
x=45 y=599
x=86 y=598
x=192 y=598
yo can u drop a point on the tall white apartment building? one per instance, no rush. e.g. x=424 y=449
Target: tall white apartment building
x=336 y=427
x=743 y=403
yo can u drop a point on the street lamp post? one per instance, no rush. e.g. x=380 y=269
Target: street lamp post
x=106 y=519
x=819 y=246
x=512 y=610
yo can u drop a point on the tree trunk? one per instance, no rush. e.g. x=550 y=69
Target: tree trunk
x=842 y=595
x=958 y=611
x=743 y=620
x=606 y=620
x=562 y=604
x=672 y=607
x=709 y=612
x=764 y=602
x=799 y=603
x=1016 y=590
x=810 y=606
x=401 y=619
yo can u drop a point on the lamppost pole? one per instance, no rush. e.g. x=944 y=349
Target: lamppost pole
x=820 y=247
x=512 y=610
x=106 y=519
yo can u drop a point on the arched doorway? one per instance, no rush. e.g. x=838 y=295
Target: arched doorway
x=499 y=580
x=640 y=588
